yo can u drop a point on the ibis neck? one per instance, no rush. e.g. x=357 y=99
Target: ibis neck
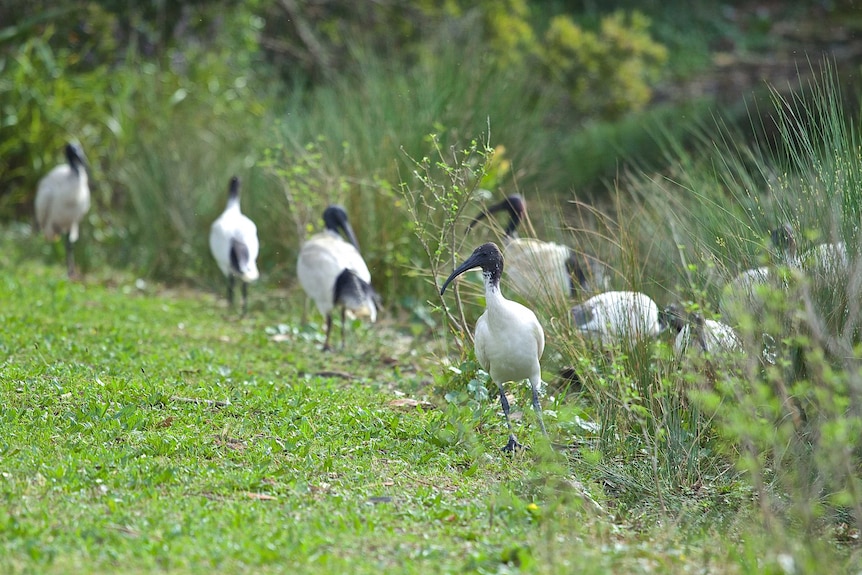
x=511 y=230
x=233 y=202
x=492 y=286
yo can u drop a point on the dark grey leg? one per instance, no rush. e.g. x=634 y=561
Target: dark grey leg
x=328 y=329
x=70 y=256
x=244 y=298
x=343 y=318
x=230 y=280
x=513 y=444
x=538 y=408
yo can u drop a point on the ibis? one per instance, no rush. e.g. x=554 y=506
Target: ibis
x=234 y=245
x=539 y=269
x=62 y=199
x=509 y=340
x=826 y=261
x=708 y=335
x=332 y=272
x=740 y=294
x=614 y=316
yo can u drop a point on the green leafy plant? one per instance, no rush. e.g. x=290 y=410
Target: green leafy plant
x=606 y=73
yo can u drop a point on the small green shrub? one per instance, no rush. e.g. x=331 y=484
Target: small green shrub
x=606 y=73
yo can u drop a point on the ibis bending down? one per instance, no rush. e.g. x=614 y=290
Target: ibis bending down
x=62 y=199
x=710 y=336
x=740 y=296
x=234 y=245
x=509 y=339
x=544 y=270
x=333 y=273
x=613 y=316
x=826 y=261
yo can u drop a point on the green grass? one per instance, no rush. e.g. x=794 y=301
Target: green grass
x=151 y=429
x=105 y=464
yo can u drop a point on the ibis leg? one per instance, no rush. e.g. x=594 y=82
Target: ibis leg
x=328 y=329
x=343 y=318
x=513 y=444
x=70 y=256
x=244 y=298
x=536 y=407
x=230 y=280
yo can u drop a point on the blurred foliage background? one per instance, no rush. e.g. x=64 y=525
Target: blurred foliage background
x=312 y=101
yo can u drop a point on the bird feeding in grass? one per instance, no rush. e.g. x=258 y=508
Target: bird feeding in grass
x=333 y=273
x=827 y=261
x=611 y=317
x=509 y=339
x=62 y=199
x=234 y=245
x=743 y=294
x=707 y=335
x=536 y=269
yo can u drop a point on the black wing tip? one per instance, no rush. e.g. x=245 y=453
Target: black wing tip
x=352 y=291
x=239 y=256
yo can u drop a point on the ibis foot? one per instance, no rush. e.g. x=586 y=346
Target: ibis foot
x=513 y=446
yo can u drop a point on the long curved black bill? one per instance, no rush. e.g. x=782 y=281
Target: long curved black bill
x=474 y=261
x=348 y=231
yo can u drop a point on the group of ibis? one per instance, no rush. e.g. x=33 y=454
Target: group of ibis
x=330 y=267
x=509 y=339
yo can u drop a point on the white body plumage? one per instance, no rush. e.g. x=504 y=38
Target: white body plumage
x=826 y=261
x=534 y=268
x=233 y=240
x=323 y=257
x=333 y=273
x=613 y=316
x=713 y=337
x=740 y=295
x=542 y=271
x=62 y=200
x=509 y=340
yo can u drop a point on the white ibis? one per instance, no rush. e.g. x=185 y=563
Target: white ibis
x=333 y=273
x=509 y=340
x=612 y=316
x=62 y=199
x=826 y=261
x=234 y=245
x=710 y=336
x=536 y=268
x=740 y=294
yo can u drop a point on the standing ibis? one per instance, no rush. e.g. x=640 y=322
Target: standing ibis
x=509 y=340
x=62 y=199
x=234 y=245
x=708 y=335
x=536 y=269
x=333 y=273
x=610 y=317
